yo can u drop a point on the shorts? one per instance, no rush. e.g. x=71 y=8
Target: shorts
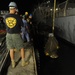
x=14 y=41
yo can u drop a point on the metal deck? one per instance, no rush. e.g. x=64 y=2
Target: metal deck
x=30 y=69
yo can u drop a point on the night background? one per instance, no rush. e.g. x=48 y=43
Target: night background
x=24 y=5
x=40 y=28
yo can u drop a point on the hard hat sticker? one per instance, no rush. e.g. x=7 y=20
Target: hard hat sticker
x=11 y=22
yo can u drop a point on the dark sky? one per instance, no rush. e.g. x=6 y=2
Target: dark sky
x=23 y=5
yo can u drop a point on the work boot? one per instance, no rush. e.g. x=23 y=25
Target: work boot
x=24 y=63
x=13 y=64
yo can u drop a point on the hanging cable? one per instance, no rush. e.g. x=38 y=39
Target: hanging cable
x=54 y=16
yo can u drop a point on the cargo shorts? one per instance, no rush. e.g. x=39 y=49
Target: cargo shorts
x=14 y=41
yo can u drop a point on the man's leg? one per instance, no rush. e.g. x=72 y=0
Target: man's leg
x=12 y=58
x=22 y=53
x=23 y=57
x=22 y=35
x=27 y=37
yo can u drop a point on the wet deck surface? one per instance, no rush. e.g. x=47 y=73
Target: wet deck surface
x=29 y=69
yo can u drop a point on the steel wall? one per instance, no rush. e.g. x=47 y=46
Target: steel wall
x=65 y=28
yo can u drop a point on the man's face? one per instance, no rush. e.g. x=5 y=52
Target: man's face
x=13 y=10
x=30 y=17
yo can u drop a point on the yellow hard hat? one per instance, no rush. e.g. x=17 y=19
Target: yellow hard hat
x=26 y=13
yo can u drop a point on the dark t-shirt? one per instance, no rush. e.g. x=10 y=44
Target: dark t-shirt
x=13 y=23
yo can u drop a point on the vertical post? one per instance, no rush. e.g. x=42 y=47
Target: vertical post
x=65 y=8
x=54 y=16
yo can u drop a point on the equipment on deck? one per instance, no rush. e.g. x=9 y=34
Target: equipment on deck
x=51 y=46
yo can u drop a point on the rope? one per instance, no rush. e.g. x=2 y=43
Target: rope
x=54 y=16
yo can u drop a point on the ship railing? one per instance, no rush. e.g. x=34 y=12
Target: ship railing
x=3 y=54
x=65 y=9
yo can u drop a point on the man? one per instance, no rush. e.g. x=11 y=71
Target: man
x=25 y=30
x=13 y=38
x=26 y=16
x=30 y=26
x=30 y=19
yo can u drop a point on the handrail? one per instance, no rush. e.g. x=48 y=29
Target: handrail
x=4 y=54
x=65 y=8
